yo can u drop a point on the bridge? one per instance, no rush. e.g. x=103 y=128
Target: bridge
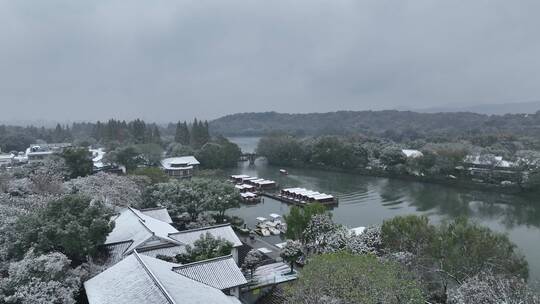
x=251 y=157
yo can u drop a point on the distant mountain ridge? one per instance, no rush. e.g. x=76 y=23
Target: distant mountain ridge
x=529 y=107
x=374 y=122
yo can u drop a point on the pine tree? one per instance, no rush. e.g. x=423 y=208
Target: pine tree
x=182 y=133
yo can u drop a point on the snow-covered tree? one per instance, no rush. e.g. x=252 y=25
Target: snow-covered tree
x=369 y=242
x=486 y=288
x=291 y=252
x=19 y=186
x=252 y=260
x=344 y=278
x=108 y=188
x=206 y=247
x=72 y=225
x=203 y=220
x=318 y=231
x=40 y=279
x=192 y=197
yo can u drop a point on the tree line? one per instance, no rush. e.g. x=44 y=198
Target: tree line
x=131 y=143
x=380 y=156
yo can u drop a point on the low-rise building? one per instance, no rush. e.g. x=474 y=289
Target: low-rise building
x=139 y=279
x=38 y=152
x=224 y=231
x=411 y=153
x=6 y=160
x=149 y=231
x=180 y=167
x=221 y=273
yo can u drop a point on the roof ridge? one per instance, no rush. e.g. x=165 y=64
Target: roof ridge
x=201 y=229
x=132 y=210
x=225 y=257
x=151 y=209
x=167 y=245
x=116 y=243
x=154 y=278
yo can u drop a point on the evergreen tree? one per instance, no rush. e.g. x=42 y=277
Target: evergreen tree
x=182 y=133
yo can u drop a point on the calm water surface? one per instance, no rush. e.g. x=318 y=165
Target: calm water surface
x=367 y=201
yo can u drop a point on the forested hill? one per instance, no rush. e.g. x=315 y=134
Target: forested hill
x=376 y=122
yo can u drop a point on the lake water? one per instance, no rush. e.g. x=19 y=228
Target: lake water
x=367 y=201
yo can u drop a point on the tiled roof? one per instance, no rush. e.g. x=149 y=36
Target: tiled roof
x=159 y=213
x=140 y=279
x=226 y=232
x=141 y=229
x=114 y=253
x=188 y=160
x=221 y=273
x=167 y=250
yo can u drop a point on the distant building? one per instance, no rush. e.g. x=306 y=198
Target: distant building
x=6 y=160
x=38 y=152
x=142 y=279
x=410 y=153
x=180 y=167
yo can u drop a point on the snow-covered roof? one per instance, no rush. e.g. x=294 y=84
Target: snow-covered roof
x=165 y=250
x=261 y=182
x=239 y=176
x=248 y=195
x=225 y=231
x=244 y=186
x=281 y=245
x=308 y=193
x=169 y=163
x=486 y=160
x=143 y=230
x=6 y=156
x=97 y=157
x=159 y=213
x=412 y=153
x=221 y=273
x=272 y=274
x=357 y=230
x=139 y=279
x=264 y=250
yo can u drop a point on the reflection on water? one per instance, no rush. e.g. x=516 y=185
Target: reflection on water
x=368 y=201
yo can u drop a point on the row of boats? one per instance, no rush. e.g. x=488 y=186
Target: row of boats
x=272 y=226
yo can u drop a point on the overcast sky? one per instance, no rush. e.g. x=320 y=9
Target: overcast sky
x=170 y=60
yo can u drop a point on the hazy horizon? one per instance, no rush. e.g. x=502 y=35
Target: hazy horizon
x=85 y=61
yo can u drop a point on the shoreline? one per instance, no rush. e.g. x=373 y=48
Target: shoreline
x=456 y=183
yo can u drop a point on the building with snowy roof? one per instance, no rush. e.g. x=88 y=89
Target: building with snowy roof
x=139 y=279
x=38 y=152
x=6 y=160
x=224 y=231
x=149 y=231
x=411 y=153
x=180 y=167
x=221 y=273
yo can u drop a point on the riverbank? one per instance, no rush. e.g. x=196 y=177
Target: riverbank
x=439 y=180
